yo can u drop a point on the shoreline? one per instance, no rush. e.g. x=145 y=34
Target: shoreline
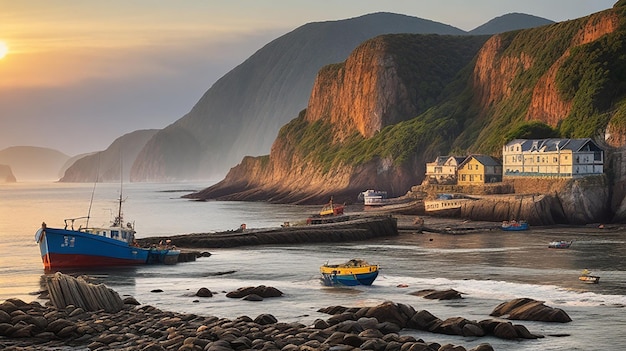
x=134 y=327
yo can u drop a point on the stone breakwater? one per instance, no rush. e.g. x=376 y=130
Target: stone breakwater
x=357 y=228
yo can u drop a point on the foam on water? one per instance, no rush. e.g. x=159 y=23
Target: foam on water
x=502 y=290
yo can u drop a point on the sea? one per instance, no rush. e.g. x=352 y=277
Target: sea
x=488 y=267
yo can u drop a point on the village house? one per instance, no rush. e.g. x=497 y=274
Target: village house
x=443 y=170
x=479 y=169
x=552 y=158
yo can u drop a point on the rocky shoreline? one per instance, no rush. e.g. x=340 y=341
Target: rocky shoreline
x=84 y=316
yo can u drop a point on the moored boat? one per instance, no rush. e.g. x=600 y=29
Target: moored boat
x=514 y=225
x=586 y=277
x=330 y=213
x=374 y=197
x=351 y=273
x=97 y=247
x=562 y=244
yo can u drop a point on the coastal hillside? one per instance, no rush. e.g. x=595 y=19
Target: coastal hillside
x=333 y=148
x=375 y=119
x=106 y=164
x=242 y=112
x=509 y=22
x=30 y=163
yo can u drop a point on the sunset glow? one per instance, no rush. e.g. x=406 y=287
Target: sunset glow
x=4 y=49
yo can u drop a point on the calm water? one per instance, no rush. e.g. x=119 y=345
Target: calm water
x=488 y=268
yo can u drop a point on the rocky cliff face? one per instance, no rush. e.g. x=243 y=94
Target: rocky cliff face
x=364 y=94
x=497 y=65
x=242 y=112
x=547 y=202
x=378 y=95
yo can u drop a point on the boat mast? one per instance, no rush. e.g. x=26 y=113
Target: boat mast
x=119 y=207
x=93 y=191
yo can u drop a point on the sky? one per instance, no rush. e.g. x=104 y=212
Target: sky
x=80 y=73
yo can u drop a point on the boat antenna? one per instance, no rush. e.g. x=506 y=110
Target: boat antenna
x=93 y=190
x=119 y=207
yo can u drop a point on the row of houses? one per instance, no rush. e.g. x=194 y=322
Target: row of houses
x=528 y=158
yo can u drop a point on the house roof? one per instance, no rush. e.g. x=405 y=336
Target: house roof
x=442 y=160
x=457 y=159
x=483 y=159
x=549 y=145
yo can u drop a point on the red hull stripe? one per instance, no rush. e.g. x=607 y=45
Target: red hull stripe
x=55 y=261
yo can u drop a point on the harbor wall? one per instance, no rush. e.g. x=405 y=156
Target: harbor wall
x=358 y=228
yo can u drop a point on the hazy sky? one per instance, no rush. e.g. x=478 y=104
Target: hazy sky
x=80 y=73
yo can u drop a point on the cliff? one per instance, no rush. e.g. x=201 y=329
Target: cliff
x=398 y=101
x=6 y=175
x=30 y=163
x=243 y=111
x=386 y=80
x=111 y=164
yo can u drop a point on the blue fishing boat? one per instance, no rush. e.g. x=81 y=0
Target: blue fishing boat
x=515 y=225
x=351 y=273
x=97 y=247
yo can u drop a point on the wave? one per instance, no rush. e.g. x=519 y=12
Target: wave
x=502 y=290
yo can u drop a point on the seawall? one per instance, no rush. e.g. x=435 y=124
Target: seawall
x=357 y=228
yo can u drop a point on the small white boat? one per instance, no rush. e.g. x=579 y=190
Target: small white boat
x=562 y=244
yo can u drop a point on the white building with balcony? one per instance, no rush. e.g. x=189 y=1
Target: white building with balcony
x=552 y=158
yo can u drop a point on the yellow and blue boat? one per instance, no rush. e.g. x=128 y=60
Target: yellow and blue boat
x=351 y=273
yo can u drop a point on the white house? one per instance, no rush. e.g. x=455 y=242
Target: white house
x=443 y=170
x=552 y=158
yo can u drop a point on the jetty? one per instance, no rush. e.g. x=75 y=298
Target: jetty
x=355 y=228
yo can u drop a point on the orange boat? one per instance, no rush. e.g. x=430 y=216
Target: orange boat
x=330 y=213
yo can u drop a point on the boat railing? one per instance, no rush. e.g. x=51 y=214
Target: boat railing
x=72 y=220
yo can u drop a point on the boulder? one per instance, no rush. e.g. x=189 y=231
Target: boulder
x=204 y=292
x=261 y=290
x=388 y=312
x=449 y=294
x=530 y=310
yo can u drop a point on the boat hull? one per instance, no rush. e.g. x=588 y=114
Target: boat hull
x=163 y=256
x=589 y=279
x=63 y=248
x=352 y=273
x=333 y=279
x=516 y=227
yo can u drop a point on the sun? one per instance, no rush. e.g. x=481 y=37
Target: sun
x=4 y=49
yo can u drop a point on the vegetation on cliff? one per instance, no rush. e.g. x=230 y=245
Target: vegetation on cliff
x=468 y=94
x=591 y=78
x=426 y=65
